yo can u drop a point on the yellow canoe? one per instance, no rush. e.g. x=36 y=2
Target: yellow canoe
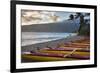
x=44 y=58
x=66 y=52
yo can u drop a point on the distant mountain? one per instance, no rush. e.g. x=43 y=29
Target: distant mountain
x=64 y=26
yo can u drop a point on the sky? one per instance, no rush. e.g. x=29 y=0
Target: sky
x=41 y=17
x=64 y=15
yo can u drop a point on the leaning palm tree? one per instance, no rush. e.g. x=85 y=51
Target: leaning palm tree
x=81 y=23
x=84 y=28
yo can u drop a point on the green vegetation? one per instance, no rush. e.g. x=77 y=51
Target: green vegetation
x=84 y=28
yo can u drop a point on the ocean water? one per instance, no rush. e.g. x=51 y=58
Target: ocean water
x=29 y=38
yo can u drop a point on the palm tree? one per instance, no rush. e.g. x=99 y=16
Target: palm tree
x=84 y=28
x=71 y=17
x=78 y=15
x=81 y=22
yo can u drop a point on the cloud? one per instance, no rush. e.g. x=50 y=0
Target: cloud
x=38 y=17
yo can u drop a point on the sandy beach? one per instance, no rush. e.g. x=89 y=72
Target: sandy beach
x=52 y=44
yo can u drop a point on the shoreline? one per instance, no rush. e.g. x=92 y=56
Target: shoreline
x=50 y=43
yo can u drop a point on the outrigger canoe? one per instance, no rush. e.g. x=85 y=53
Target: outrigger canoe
x=44 y=58
x=67 y=49
x=61 y=55
x=65 y=52
x=74 y=46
